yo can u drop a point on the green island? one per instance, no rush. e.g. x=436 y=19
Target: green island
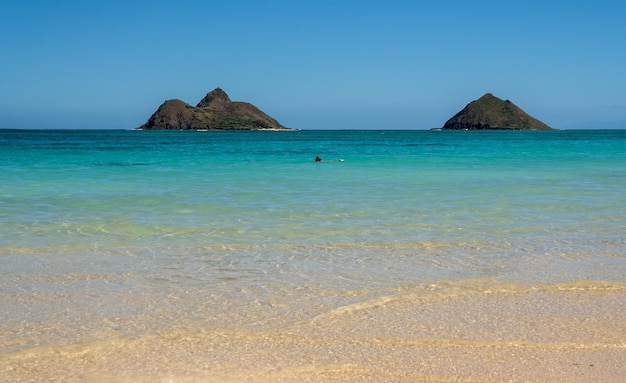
x=492 y=113
x=215 y=111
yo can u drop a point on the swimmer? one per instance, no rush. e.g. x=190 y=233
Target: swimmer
x=319 y=159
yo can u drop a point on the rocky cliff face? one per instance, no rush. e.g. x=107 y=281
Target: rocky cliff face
x=215 y=111
x=490 y=112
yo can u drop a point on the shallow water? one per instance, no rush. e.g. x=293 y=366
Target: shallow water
x=118 y=246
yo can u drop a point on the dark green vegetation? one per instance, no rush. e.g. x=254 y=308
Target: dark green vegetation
x=214 y=112
x=490 y=112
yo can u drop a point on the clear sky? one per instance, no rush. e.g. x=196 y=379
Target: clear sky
x=311 y=64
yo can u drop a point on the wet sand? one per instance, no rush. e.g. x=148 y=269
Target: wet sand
x=572 y=332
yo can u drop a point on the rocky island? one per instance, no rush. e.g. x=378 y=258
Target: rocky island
x=215 y=111
x=490 y=112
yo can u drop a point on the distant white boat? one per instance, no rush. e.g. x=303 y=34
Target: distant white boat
x=202 y=130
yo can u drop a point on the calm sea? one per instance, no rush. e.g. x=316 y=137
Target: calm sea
x=111 y=233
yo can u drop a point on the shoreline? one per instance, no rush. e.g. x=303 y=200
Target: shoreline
x=571 y=332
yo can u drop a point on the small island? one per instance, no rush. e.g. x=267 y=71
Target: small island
x=215 y=111
x=492 y=113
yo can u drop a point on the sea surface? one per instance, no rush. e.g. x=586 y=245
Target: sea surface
x=117 y=246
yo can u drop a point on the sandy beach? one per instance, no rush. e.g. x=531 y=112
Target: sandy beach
x=551 y=333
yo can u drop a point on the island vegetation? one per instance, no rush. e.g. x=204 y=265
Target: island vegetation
x=215 y=111
x=491 y=112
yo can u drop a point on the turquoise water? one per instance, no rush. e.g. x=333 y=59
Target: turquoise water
x=130 y=224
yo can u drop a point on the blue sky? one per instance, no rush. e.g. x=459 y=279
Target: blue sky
x=312 y=65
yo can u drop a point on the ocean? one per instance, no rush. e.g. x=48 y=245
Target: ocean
x=182 y=256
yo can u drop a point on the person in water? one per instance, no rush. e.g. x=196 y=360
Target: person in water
x=319 y=159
